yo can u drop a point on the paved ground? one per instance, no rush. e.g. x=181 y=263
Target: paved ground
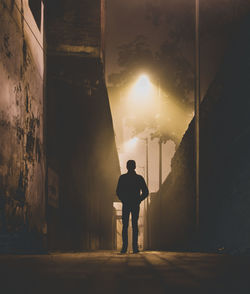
x=109 y=272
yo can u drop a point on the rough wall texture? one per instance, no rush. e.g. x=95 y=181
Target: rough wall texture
x=225 y=165
x=22 y=163
x=75 y=27
x=81 y=146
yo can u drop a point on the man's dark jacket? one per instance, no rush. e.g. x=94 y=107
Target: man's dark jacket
x=131 y=188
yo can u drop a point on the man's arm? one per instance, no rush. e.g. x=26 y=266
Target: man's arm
x=119 y=189
x=144 y=189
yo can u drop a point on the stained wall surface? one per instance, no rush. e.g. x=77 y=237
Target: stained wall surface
x=22 y=160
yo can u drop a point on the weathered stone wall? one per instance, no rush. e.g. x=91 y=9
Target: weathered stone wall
x=81 y=145
x=224 y=165
x=22 y=160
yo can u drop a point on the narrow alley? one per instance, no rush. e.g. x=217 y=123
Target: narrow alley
x=100 y=119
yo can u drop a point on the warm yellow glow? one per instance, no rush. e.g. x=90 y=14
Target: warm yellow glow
x=142 y=86
x=141 y=94
x=130 y=144
x=146 y=105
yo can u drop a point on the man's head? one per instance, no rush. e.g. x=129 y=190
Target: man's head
x=131 y=165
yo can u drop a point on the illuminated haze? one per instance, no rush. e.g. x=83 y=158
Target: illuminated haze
x=161 y=106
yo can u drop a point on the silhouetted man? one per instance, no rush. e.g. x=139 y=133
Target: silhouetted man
x=131 y=190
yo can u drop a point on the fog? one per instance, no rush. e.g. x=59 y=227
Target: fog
x=156 y=39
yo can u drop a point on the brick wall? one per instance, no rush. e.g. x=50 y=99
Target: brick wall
x=74 y=27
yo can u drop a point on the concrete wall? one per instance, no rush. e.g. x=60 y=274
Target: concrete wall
x=22 y=160
x=82 y=154
x=225 y=165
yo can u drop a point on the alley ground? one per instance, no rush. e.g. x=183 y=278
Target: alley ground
x=109 y=272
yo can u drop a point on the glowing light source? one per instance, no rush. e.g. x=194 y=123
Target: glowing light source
x=142 y=87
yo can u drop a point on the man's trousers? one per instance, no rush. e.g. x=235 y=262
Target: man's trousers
x=134 y=209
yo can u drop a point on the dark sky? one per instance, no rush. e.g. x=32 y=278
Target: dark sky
x=156 y=18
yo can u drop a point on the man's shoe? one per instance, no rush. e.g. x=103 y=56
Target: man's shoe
x=136 y=251
x=123 y=251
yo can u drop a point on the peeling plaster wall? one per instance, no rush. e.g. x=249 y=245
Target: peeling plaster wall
x=22 y=160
